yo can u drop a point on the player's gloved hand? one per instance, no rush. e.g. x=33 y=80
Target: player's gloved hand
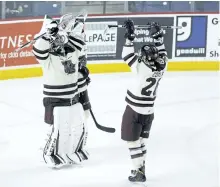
x=156 y=31
x=82 y=60
x=129 y=25
x=85 y=72
x=160 y=63
x=52 y=28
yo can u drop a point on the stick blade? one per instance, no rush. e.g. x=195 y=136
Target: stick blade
x=106 y=129
x=100 y=127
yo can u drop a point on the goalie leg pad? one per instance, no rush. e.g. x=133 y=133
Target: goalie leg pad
x=66 y=136
x=83 y=150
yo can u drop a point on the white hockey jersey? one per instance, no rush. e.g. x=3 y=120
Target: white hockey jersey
x=141 y=93
x=57 y=83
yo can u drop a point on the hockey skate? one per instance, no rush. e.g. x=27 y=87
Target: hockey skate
x=143 y=168
x=138 y=176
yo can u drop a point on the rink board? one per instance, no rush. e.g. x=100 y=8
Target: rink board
x=111 y=68
x=187 y=50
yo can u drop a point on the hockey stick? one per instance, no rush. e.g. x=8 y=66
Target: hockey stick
x=29 y=43
x=140 y=27
x=100 y=127
x=146 y=26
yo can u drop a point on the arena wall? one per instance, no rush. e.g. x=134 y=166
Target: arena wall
x=195 y=47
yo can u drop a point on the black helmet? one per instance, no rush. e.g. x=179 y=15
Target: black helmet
x=148 y=52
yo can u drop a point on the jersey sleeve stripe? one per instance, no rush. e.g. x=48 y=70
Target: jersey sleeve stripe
x=40 y=57
x=71 y=45
x=138 y=104
x=140 y=98
x=60 y=86
x=162 y=51
x=82 y=85
x=128 y=56
x=82 y=79
x=46 y=39
x=77 y=40
x=129 y=45
x=40 y=51
x=160 y=47
x=133 y=60
x=76 y=46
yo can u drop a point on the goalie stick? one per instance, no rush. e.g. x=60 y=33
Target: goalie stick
x=100 y=127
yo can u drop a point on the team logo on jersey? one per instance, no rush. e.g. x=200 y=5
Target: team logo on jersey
x=191 y=38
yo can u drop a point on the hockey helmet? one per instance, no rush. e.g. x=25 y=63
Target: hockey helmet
x=148 y=53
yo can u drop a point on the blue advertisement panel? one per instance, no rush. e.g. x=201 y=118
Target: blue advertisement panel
x=191 y=39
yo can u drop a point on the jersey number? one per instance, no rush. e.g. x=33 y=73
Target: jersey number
x=146 y=90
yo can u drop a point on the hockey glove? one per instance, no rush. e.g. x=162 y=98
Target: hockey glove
x=52 y=28
x=129 y=25
x=82 y=60
x=160 y=63
x=156 y=31
x=85 y=72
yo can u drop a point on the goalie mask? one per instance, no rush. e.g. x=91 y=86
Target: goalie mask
x=61 y=44
x=148 y=54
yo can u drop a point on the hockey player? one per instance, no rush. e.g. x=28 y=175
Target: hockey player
x=148 y=67
x=58 y=53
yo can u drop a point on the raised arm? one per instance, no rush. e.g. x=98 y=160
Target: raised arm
x=128 y=53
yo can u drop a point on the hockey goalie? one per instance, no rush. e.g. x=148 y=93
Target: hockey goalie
x=65 y=84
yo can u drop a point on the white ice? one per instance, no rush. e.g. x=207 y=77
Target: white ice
x=182 y=149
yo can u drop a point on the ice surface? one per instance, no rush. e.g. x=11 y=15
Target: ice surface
x=182 y=149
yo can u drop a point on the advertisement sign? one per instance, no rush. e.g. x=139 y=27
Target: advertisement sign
x=191 y=39
x=142 y=35
x=100 y=46
x=98 y=43
x=109 y=47
x=13 y=35
x=213 y=42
